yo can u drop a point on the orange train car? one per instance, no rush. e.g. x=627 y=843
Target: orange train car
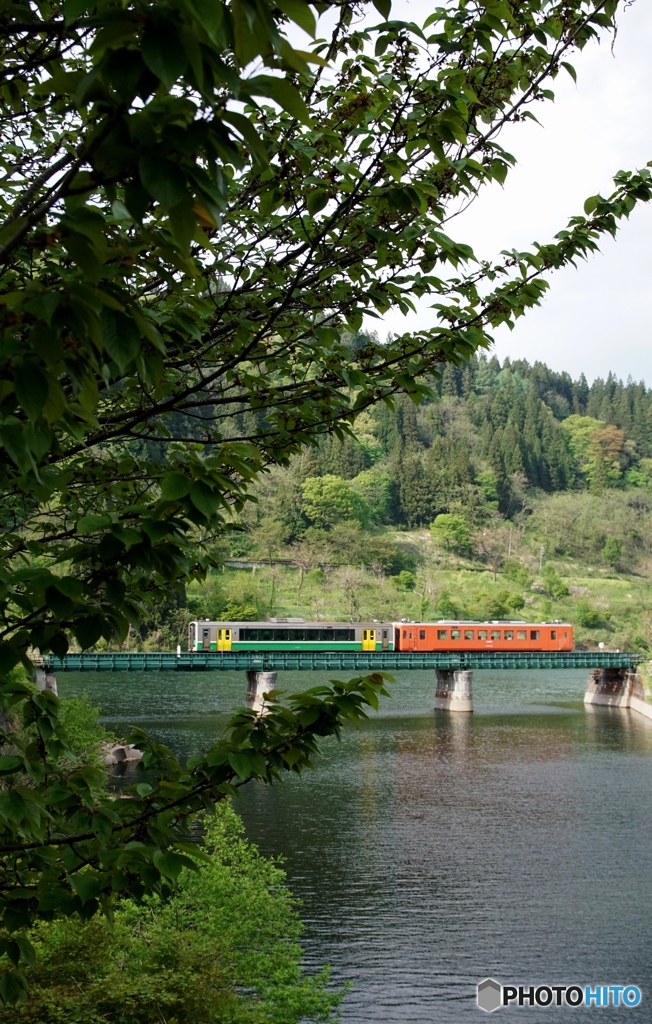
x=483 y=636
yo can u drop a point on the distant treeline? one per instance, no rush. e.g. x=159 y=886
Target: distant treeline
x=493 y=436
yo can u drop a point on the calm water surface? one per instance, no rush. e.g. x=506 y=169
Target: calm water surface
x=431 y=850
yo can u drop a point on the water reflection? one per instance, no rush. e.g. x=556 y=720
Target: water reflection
x=433 y=849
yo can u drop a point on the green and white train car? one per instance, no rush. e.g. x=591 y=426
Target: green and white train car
x=290 y=635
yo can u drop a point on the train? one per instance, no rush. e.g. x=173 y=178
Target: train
x=446 y=635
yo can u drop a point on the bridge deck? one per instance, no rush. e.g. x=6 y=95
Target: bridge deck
x=355 y=661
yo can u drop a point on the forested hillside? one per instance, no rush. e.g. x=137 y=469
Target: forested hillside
x=494 y=437
x=515 y=491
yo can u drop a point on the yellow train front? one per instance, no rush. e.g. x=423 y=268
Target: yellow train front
x=290 y=635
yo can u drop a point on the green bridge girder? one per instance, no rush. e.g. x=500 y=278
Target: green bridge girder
x=352 y=661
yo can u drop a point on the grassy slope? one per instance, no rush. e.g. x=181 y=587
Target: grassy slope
x=617 y=605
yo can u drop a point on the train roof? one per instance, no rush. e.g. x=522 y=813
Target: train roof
x=274 y=623
x=480 y=622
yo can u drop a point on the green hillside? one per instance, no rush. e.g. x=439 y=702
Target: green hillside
x=516 y=492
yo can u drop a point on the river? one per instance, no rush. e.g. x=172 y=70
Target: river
x=433 y=850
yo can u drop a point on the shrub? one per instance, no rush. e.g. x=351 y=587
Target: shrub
x=329 y=499
x=555 y=586
x=587 y=616
x=85 y=733
x=223 y=948
x=405 y=580
x=612 y=551
x=515 y=571
x=451 y=531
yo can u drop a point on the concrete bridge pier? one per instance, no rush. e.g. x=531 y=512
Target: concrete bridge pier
x=610 y=687
x=45 y=680
x=453 y=690
x=618 y=688
x=258 y=683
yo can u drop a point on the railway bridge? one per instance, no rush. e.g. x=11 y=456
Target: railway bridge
x=615 y=679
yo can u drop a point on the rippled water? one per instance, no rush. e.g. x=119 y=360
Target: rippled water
x=431 y=850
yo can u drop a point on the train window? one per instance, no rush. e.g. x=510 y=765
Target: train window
x=281 y=634
x=352 y=634
x=482 y=634
x=206 y=634
x=508 y=634
x=410 y=635
x=469 y=634
x=534 y=634
x=265 y=634
x=249 y=634
x=341 y=634
x=422 y=634
x=495 y=634
x=326 y=634
x=442 y=634
x=521 y=634
x=311 y=634
x=455 y=634
x=404 y=634
x=553 y=634
x=565 y=635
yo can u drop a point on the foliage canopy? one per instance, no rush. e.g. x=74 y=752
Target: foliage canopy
x=223 y=947
x=69 y=847
x=191 y=217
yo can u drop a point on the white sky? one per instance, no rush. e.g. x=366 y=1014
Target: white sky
x=599 y=317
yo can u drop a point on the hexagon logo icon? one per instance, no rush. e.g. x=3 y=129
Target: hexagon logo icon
x=489 y=995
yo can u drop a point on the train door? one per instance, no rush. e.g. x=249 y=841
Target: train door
x=412 y=640
x=205 y=639
x=386 y=639
x=224 y=639
x=368 y=639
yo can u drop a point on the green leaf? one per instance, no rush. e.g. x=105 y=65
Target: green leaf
x=300 y=13
x=241 y=765
x=570 y=69
x=121 y=337
x=383 y=7
x=87 y=886
x=27 y=951
x=163 y=180
x=13 y=988
x=88 y=630
x=31 y=386
x=8 y=657
x=174 y=486
x=92 y=524
x=250 y=37
x=10 y=763
x=249 y=134
x=204 y=499
x=169 y=864
x=317 y=200
x=282 y=92
x=163 y=53
x=183 y=221
x=12 y=805
x=591 y=204
x=69 y=586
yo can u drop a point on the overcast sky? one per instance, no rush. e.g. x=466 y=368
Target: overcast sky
x=599 y=317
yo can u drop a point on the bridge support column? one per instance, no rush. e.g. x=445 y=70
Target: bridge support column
x=453 y=691
x=258 y=683
x=45 y=680
x=611 y=687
